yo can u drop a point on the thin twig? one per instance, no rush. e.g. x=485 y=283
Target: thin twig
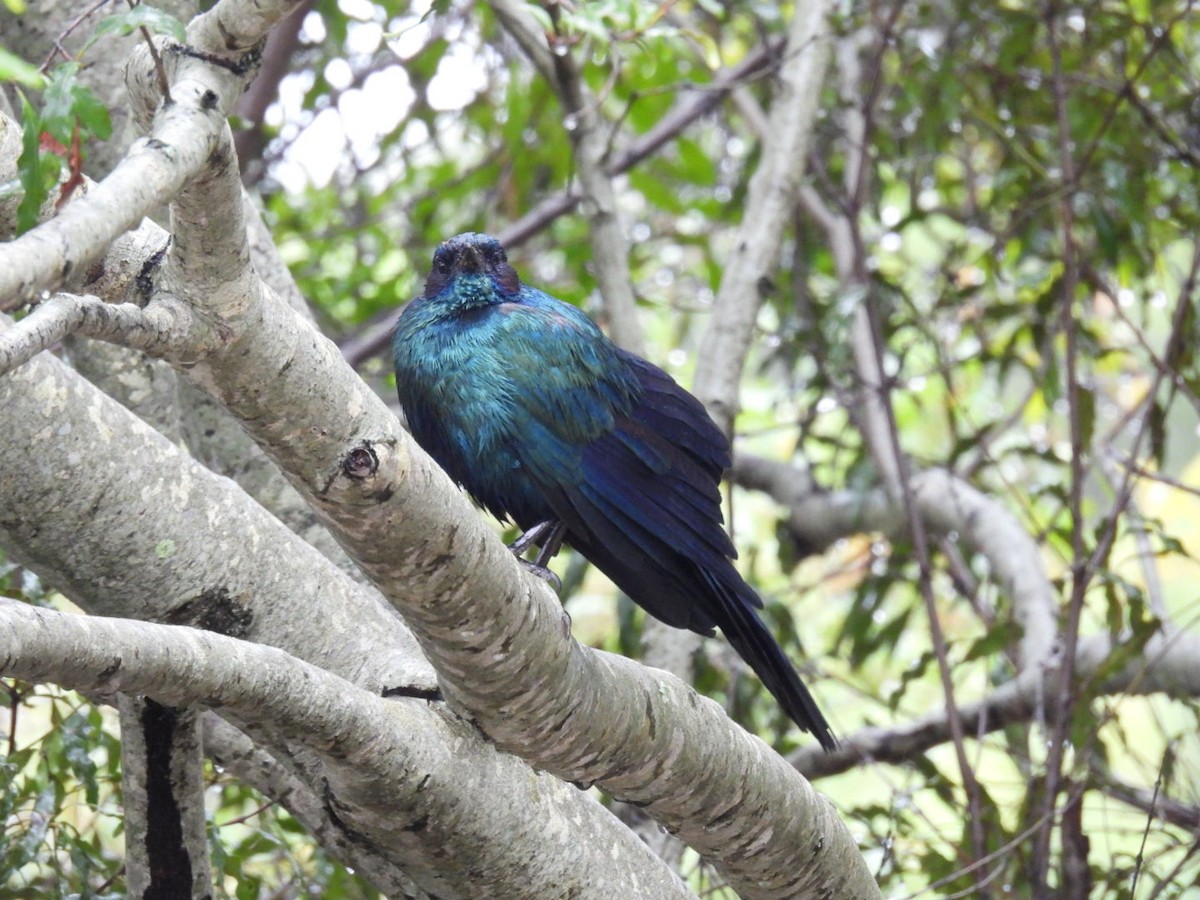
x=920 y=542
x=1063 y=705
x=1168 y=882
x=1137 y=862
x=66 y=32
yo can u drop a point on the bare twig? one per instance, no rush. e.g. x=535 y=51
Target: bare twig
x=66 y=33
x=1150 y=816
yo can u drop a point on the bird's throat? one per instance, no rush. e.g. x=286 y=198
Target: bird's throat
x=472 y=291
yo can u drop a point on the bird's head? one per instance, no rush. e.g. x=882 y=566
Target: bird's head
x=471 y=270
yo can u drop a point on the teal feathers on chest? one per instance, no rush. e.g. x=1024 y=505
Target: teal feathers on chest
x=507 y=395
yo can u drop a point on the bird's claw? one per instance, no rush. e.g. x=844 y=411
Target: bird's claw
x=530 y=537
x=543 y=573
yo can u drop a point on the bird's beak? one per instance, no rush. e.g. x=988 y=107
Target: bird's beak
x=471 y=260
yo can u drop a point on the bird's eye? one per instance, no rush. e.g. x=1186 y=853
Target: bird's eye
x=443 y=260
x=494 y=253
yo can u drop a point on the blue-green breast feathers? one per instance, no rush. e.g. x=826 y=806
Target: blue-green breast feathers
x=509 y=392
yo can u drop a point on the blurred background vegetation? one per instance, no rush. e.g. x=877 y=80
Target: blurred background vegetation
x=1006 y=162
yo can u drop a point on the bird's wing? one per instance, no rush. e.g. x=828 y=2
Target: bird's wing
x=624 y=456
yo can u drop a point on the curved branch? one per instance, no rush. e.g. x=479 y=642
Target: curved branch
x=397 y=767
x=948 y=506
x=1168 y=665
x=154 y=330
x=151 y=173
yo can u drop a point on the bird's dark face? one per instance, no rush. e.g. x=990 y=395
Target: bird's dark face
x=471 y=270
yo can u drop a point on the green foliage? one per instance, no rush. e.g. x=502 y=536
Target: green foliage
x=54 y=136
x=153 y=20
x=258 y=850
x=58 y=798
x=18 y=71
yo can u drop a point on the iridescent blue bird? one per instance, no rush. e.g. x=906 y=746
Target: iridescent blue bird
x=526 y=404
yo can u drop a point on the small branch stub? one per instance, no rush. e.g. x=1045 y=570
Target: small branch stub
x=361 y=462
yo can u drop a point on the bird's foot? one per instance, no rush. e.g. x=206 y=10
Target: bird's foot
x=543 y=573
x=550 y=535
x=531 y=537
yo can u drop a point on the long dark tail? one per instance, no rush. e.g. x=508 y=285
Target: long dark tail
x=752 y=640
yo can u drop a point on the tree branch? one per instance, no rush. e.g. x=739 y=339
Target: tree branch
x=1168 y=664
x=153 y=330
x=749 y=273
x=947 y=505
x=163 y=569
x=610 y=250
x=397 y=767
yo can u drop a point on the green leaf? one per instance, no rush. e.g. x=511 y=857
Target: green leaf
x=68 y=103
x=37 y=172
x=153 y=20
x=15 y=69
x=998 y=637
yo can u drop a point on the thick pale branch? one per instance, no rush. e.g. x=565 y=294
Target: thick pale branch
x=401 y=771
x=235 y=26
x=205 y=86
x=152 y=330
x=151 y=173
x=155 y=535
x=750 y=271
